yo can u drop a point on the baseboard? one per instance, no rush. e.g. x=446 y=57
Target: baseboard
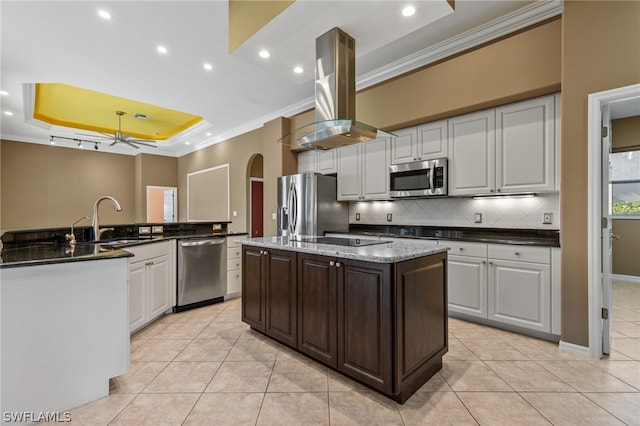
x=576 y=349
x=628 y=278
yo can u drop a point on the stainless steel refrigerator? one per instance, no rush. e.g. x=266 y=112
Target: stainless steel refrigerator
x=307 y=205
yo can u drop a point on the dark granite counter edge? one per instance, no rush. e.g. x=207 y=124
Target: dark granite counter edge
x=110 y=254
x=517 y=236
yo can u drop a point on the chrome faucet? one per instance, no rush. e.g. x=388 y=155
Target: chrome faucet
x=97 y=232
x=72 y=237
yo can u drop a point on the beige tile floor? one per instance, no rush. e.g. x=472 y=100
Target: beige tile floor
x=206 y=367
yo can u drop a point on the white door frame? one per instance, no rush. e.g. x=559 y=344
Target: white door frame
x=175 y=199
x=596 y=101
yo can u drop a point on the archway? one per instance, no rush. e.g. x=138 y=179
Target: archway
x=255 y=200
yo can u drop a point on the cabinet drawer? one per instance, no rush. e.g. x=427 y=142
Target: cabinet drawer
x=231 y=241
x=233 y=264
x=462 y=248
x=149 y=250
x=234 y=253
x=520 y=253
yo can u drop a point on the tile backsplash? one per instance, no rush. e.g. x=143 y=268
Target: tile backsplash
x=496 y=212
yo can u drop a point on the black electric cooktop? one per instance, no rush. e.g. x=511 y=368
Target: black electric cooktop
x=351 y=242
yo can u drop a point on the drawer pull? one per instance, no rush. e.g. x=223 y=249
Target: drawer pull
x=331 y=263
x=148 y=263
x=517 y=253
x=338 y=264
x=461 y=249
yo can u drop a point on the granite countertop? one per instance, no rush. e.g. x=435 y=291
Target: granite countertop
x=530 y=237
x=44 y=254
x=40 y=253
x=389 y=252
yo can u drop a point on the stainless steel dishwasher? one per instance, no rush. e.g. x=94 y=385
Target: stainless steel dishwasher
x=202 y=271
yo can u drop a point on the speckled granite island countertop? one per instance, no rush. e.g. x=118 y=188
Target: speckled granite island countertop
x=388 y=252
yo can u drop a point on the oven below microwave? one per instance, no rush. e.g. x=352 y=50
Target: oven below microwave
x=418 y=179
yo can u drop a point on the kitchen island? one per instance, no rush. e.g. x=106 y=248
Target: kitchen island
x=375 y=313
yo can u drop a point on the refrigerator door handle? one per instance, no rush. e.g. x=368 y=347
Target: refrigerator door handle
x=293 y=209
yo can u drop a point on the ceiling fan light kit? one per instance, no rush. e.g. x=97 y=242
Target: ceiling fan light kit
x=117 y=137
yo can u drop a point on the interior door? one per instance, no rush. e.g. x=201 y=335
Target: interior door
x=257 y=226
x=607 y=233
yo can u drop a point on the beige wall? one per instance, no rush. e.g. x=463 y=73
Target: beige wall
x=152 y=170
x=515 y=68
x=626 y=133
x=236 y=152
x=626 y=249
x=50 y=186
x=1 y=228
x=601 y=51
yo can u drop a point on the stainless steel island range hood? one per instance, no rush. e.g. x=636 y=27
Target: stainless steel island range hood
x=335 y=97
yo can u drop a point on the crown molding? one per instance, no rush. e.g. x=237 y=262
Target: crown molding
x=502 y=26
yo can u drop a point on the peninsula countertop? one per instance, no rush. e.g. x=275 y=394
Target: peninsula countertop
x=385 y=252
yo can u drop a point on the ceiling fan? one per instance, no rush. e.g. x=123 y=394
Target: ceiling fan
x=120 y=137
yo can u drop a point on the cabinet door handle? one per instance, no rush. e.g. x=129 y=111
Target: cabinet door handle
x=499 y=189
x=517 y=253
x=484 y=262
x=338 y=264
x=492 y=190
x=461 y=249
x=148 y=263
x=490 y=263
x=331 y=263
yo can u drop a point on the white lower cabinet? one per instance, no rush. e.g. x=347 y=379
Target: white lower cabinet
x=234 y=267
x=502 y=283
x=152 y=282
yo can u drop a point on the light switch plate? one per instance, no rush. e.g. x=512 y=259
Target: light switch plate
x=144 y=230
x=357 y=216
x=389 y=217
x=157 y=230
x=547 y=218
x=274 y=216
x=217 y=227
x=477 y=218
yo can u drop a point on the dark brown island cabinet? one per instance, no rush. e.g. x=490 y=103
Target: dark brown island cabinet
x=382 y=324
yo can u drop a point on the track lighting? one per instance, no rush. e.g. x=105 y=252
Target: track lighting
x=96 y=146
x=78 y=142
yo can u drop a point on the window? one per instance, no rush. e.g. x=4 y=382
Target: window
x=625 y=183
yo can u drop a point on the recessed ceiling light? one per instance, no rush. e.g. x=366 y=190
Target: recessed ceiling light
x=408 y=11
x=4 y=93
x=162 y=49
x=104 y=14
x=8 y=113
x=207 y=66
x=187 y=143
x=264 y=54
x=208 y=133
x=298 y=70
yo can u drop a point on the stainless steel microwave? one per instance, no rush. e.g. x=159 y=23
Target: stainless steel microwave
x=418 y=179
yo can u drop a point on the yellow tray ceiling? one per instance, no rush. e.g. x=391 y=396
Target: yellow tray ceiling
x=75 y=107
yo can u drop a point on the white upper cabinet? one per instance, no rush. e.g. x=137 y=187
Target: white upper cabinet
x=318 y=161
x=509 y=149
x=525 y=146
x=363 y=171
x=308 y=161
x=472 y=153
x=328 y=161
x=425 y=142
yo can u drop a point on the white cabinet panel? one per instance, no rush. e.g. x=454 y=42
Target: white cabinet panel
x=349 y=172
x=327 y=161
x=472 y=153
x=152 y=282
x=404 y=147
x=525 y=146
x=375 y=167
x=137 y=296
x=520 y=294
x=363 y=171
x=234 y=267
x=520 y=253
x=159 y=285
x=433 y=140
x=307 y=161
x=467 y=286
